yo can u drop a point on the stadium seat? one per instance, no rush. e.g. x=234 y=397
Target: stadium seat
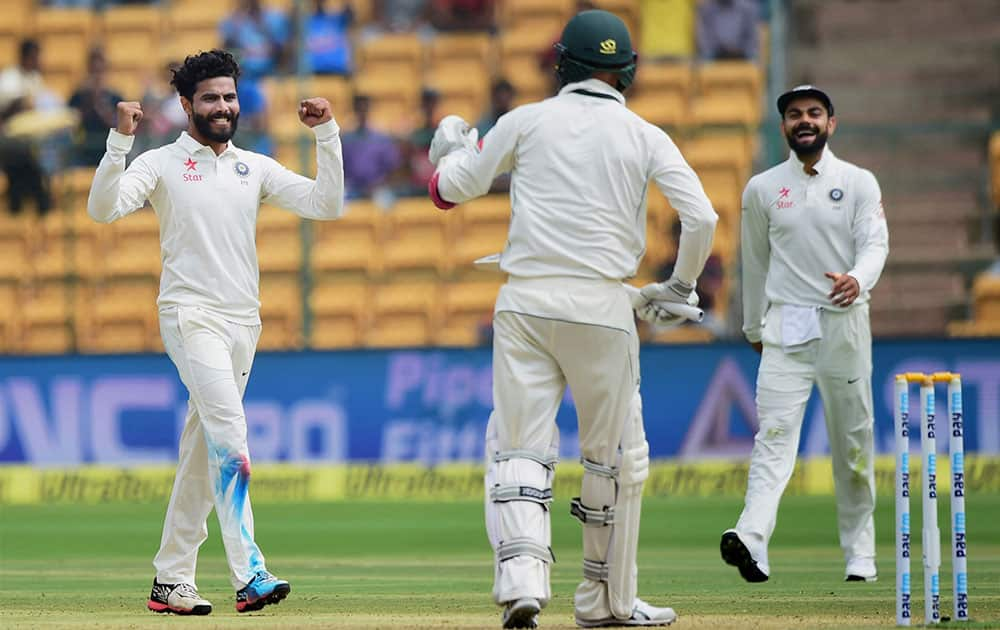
x=340 y=312
x=191 y=26
x=116 y=316
x=476 y=48
x=995 y=168
x=91 y=242
x=404 y=315
x=396 y=53
x=482 y=227
x=520 y=51
x=134 y=247
x=18 y=20
x=545 y=16
x=52 y=246
x=65 y=36
x=279 y=241
x=351 y=243
x=46 y=315
x=663 y=92
x=128 y=30
x=463 y=88
x=466 y=307
x=415 y=237
x=394 y=95
x=729 y=93
x=9 y=318
x=15 y=256
x=280 y=312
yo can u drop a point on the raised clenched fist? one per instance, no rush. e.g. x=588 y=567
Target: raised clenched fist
x=315 y=111
x=129 y=115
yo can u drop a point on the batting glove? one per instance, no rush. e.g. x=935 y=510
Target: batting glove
x=452 y=134
x=666 y=304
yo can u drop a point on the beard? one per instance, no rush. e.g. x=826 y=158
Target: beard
x=204 y=126
x=809 y=146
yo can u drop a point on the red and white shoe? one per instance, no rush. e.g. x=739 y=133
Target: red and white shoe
x=180 y=599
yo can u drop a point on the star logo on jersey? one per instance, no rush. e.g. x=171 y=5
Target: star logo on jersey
x=784 y=198
x=784 y=192
x=191 y=165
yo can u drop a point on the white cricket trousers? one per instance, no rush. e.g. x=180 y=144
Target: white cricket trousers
x=840 y=364
x=550 y=333
x=213 y=357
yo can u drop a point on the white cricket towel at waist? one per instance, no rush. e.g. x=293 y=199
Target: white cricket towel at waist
x=799 y=325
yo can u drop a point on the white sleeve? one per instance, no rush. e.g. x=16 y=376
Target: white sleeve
x=681 y=186
x=756 y=257
x=468 y=173
x=322 y=198
x=870 y=233
x=116 y=191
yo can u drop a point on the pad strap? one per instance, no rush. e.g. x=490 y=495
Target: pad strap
x=524 y=547
x=592 y=517
x=549 y=461
x=502 y=494
x=599 y=469
x=595 y=570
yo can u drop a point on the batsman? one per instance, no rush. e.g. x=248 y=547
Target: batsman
x=580 y=165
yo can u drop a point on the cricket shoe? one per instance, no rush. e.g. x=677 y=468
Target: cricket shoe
x=180 y=599
x=263 y=589
x=521 y=613
x=734 y=552
x=861 y=570
x=643 y=614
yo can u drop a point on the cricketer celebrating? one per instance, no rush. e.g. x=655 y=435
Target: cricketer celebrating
x=580 y=165
x=206 y=194
x=811 y=221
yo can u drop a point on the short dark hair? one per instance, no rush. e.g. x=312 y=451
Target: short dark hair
x=28 y=46
x=203 y=65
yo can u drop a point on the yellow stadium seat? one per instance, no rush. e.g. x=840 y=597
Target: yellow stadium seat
x=544 y=15
x=279 y=241
x=415 y=237
x=663 y=92
x=729 y=93
x=46 y=315
x=280 y=312
x=64 y=36
x=475 y=48
x=404 y=314
x=464 y=91
x=335 y=89
x=14 y=257
x=394 y=97
x=116 y=316
x=986 y=298
x=10 y=313
x=627 y=10
x=995 y=167
x=134 y=245
x=466 y=307
x=91 y=242
x=128 y=33
x=401 y=51
x=351 y=243
x=340 y=312
x=520 y=54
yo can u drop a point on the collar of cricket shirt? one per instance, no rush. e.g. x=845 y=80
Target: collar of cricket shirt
x=822 y=167
x=192 y=146
x=593 y=85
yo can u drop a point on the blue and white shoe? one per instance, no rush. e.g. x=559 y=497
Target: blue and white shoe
x=262 y=590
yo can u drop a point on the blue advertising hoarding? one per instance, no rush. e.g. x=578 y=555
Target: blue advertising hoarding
x=427 y=406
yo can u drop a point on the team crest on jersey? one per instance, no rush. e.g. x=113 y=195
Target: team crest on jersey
x=609 y=47
x=836 y=194
x=242 y=169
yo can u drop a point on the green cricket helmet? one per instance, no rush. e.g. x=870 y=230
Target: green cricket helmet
x=592 y=41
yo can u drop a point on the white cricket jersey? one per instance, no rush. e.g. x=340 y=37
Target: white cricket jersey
x=796 y=227
x=207 y=210
x=580 y=166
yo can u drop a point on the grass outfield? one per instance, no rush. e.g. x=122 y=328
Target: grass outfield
x=426 y=565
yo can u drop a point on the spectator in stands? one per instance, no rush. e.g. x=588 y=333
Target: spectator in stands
x=727 y=29
x=419 y=144
x=96 y=103
x=327 y=43
x=502 y=96
x=667 y=29
x=253 y=130
x=21 y=91
x=370 y=157
x=259 y=37
x=399 y=16
x=709 y=282
x=464 y=15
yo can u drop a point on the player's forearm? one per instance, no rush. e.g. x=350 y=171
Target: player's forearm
x=695 y=245
x=105 y=202
x=460 y=177
x=754 y=303
x=868 y=267
x=326 y=199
